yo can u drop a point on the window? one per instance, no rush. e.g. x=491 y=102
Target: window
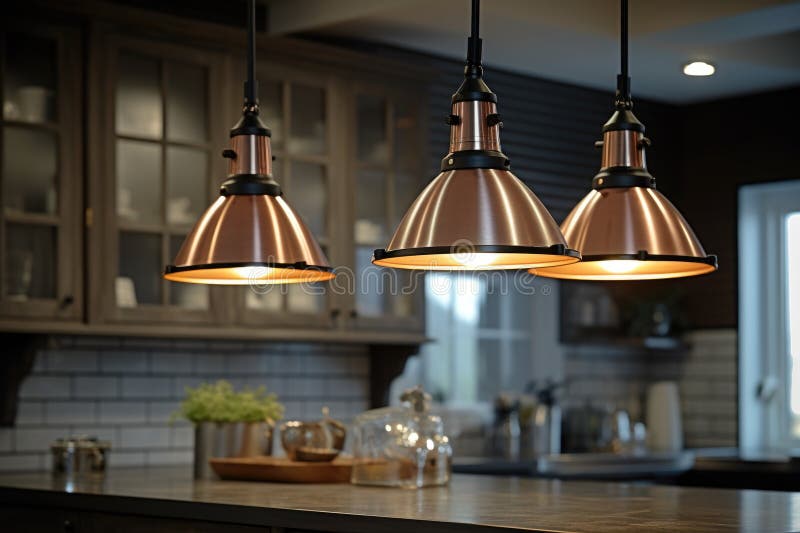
x=793 y=313
x=492 y=332
x=769 y=315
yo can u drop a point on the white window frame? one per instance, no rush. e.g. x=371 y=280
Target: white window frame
x=452 y=321
x=764 y=359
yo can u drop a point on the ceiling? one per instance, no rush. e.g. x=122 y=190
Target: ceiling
x=755 y=44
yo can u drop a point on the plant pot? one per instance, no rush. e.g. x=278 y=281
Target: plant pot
x=229 y=439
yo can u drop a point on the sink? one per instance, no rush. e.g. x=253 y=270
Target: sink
x=582 y=465
x=612 y=465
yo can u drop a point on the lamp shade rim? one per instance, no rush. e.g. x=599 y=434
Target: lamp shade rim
x=641 y=266
x=556 y=249
x=300 y=265
x=241 y=273
x=519 y=257
x=644 y=256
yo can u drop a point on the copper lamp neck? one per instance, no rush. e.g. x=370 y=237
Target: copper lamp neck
x=474 y=125
x=623 y=148
x=253 y=155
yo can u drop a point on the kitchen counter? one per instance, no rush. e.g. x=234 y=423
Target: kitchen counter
x=470 y=503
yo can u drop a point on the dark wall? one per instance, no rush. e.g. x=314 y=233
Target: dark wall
x=549 y=130
x=725 y=144
x=700 y=155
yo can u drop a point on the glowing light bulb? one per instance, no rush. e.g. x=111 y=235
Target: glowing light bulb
x=619 y=266
x=251 y=272
x=698 y=68
x=475 y=260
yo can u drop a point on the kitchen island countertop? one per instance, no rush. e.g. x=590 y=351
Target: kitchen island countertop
x=470 y=503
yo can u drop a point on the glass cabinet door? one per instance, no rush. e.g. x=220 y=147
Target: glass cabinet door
x=296 y=108
x=388 y=175
x=40 y=176
x=162 y=177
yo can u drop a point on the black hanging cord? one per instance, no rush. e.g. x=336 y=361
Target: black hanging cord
x=623 y=97
x=474 y=43
x=251 y=85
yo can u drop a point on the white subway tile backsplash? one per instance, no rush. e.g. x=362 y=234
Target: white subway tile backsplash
x=171 y=363
x=6 y=440
x=146 y=387
x=724 y=389
x=706 y=376
x=181 y=437
x=96 y=387
x=29 y=412
x=144 y=437
x=122 y=458
x=40 y=363
x=294 y=363
x=205 y=364
x=38 y=439
x=181 y=383
x=244 y=364
x=122 y=412
x=125 y=392
x=103 y=433
x=22 y=462
x=42 y=387
x=63 y=412
x=116 y=362
x=161 y=411
x=71 y=361
x=171 y=457
x=295 y=410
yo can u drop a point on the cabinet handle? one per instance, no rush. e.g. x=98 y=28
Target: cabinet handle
x=353 y=313
x=335 y=313
x=66 y=301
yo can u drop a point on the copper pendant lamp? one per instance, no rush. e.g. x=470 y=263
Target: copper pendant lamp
x=475 y=215
x=250 y=234
x=624 y=228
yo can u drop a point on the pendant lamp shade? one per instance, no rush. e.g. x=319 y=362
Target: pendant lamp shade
x=475 y=215
x=624 y=228
x=250 y=234
x=471 y=219
x=249 y=238
x=630 y=233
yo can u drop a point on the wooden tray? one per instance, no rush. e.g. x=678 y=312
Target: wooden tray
x=283 y=470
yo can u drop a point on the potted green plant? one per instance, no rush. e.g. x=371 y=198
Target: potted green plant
x=229 y=423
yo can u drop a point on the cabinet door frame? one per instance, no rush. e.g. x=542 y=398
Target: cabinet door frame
x=333 y=161
x=106 y=46
x=398 y=91
x=68 y=302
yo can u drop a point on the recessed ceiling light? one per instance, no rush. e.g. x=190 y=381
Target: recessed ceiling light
x=698 y=68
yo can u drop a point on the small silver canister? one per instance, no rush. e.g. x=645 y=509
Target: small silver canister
x=229 y=439
x=79 y=455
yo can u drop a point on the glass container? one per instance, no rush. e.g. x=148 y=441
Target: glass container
x=401 y=446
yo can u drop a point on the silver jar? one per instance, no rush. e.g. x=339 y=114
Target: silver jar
x=229 y=439
x=79 y=455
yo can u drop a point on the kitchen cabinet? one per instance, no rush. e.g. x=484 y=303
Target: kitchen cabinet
x=386 y=176
x=301 y=109
x=41 y=173
x=152 y=119
x=155 y=139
